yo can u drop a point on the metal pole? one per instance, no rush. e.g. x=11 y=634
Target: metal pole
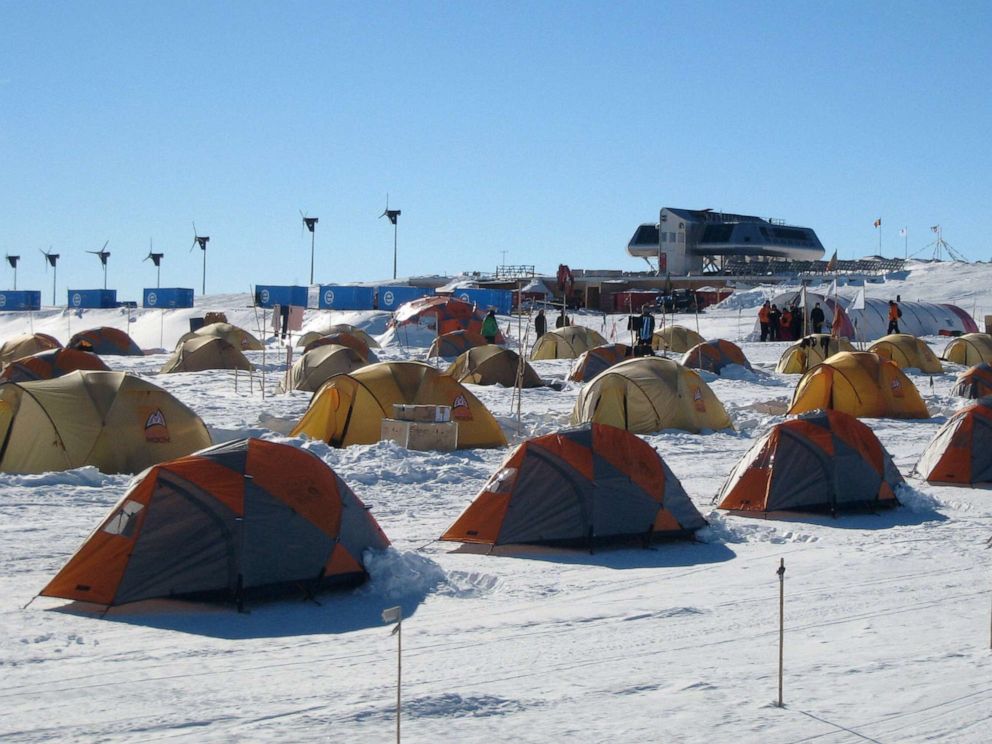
x=399 y=674
x=781 y=625
x=55 y=274
x=203 y=289
x=395 y=229
x=313 y=237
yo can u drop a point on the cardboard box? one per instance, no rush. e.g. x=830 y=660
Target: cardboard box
x=421 y=435
x=435 y=414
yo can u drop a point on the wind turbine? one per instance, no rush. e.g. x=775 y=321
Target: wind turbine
x=157 y=260
x=104 y=254
x=393 y=215
x=311 y=225
x=53 y=260
x=201 y=240
x=12 y=260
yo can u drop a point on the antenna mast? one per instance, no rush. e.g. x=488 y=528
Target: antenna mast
x=201 y=240
x=53 y=260
x=12 y=260
x=311 y=225
x=393 y=215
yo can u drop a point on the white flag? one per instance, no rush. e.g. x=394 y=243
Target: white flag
x=831 y=288
x=802 y=297
x=858 y=303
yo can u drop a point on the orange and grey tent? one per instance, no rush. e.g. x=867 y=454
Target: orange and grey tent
x=105 y=341
x=237 y=337
x=319 y=365
x=974 y=383
x=713 y=356
x=970 y=349
x=590 y=363
x=237 y=521
x=810 y=351
x=114 y=421
x=344 y=339
x=26 y=345
x=675 y=338
x=583 y=486
x=961 y=451
x=493 y=365
x=820 y=461
x=310 y=336
x=908 y=352
x=47 y=365
x=454 y=344
x=443 y=314
x=349 y=409
x=566 y=343
x=648 y=394
x=859 y=383
x=203 y=353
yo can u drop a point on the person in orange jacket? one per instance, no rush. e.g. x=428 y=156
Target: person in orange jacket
x=763 y=312
x=894 y=314
x=785 y=324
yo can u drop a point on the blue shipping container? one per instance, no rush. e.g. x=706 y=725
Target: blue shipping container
x=346 y=298
x=20 y=300
x=267 y=295
x=391 y=298
x=167 y=297
x=483 y=299
x=93 y=298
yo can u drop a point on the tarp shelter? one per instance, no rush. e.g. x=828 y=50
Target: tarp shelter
x=492 y=365
x=454 y=344
x=344 y=338
x=648 y=394
x=26 y=345
x=311 y=336
x=961 y=451
x=319 y=365
x=237 y=337
x=975 y=382
x=349 y=409
x=114 y=421
x=206 y=352
x=819 y=461
x=809 y=351
x=442 y=315
x=908 y=352
x=105 y=341
x=47 y=365
x=713 y=356
x=237 y=521
x=581 y=486
x=676 y=339
x=969 y=349
x=862 y=384
x=591 y=363
x=566 y=343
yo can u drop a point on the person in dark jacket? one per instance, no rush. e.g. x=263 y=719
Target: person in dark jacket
x=816 y=318
x=646 y=333
x=540 y=324
x=894 y=314
x=774 y=316
x=490 y=328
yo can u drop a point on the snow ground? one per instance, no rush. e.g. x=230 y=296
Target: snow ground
x=887 y=616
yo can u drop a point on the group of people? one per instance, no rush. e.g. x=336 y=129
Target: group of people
x=786 y=324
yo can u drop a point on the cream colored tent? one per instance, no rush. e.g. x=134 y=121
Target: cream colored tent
x=809 y=351
x=677 y=339
x=319 y=365
x=908 y=352
x=307 y=338
x=114 y=421
x=648 y=394
x=349 y=409
x=566 y=343
x=239 y=338
x=970 y=349
x=26 y=345
x=205 y=352
x=492 y=365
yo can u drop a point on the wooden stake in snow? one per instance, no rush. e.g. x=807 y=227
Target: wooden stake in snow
x=395 y=615
x=781 y=624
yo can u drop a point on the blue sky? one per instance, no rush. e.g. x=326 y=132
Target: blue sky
x=546 y=130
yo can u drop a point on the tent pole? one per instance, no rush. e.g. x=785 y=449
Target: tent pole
x=781 y=625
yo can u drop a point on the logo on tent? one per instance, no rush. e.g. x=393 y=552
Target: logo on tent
x=460 y=409
x=896 y=387
x=697 y=400
x=156 y=429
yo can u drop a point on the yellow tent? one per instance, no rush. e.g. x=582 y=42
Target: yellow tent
x=907 y=351
x=492 y=365
x=349 y=409
x=860 y=383
x=970 y=349
x=239 y=338
x=809 y=351
x=206 y=352
x=675 y=338
x=114 y=421
x=648 y=394
x=310 y=336
x=319 y=365
x=26 y=345
x=566 y=343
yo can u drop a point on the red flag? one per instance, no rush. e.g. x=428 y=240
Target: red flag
x=832 y=263
x=878 y=222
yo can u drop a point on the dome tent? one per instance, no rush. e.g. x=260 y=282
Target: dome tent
x=240 y=520
x=908 y=352
x=203 y=353
x=311 y=336
x=597 y=359
x=237 y=337
x=961 y=451
x=442 y=314
x=582 y=486
x=105 y=341
x=47 y=365
x=319 y=365
x=26 y=345
x=810 y=351
x=453 y=344
x=648 y=394
x=676 y=339
x=819 y=461
x=492 y=365
x=969 y=349
x=114 y=421
x=975 y=382
x=713 y=356
x=566 y=343
x=348 y=409
x=344 y=338
x=860 y=383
